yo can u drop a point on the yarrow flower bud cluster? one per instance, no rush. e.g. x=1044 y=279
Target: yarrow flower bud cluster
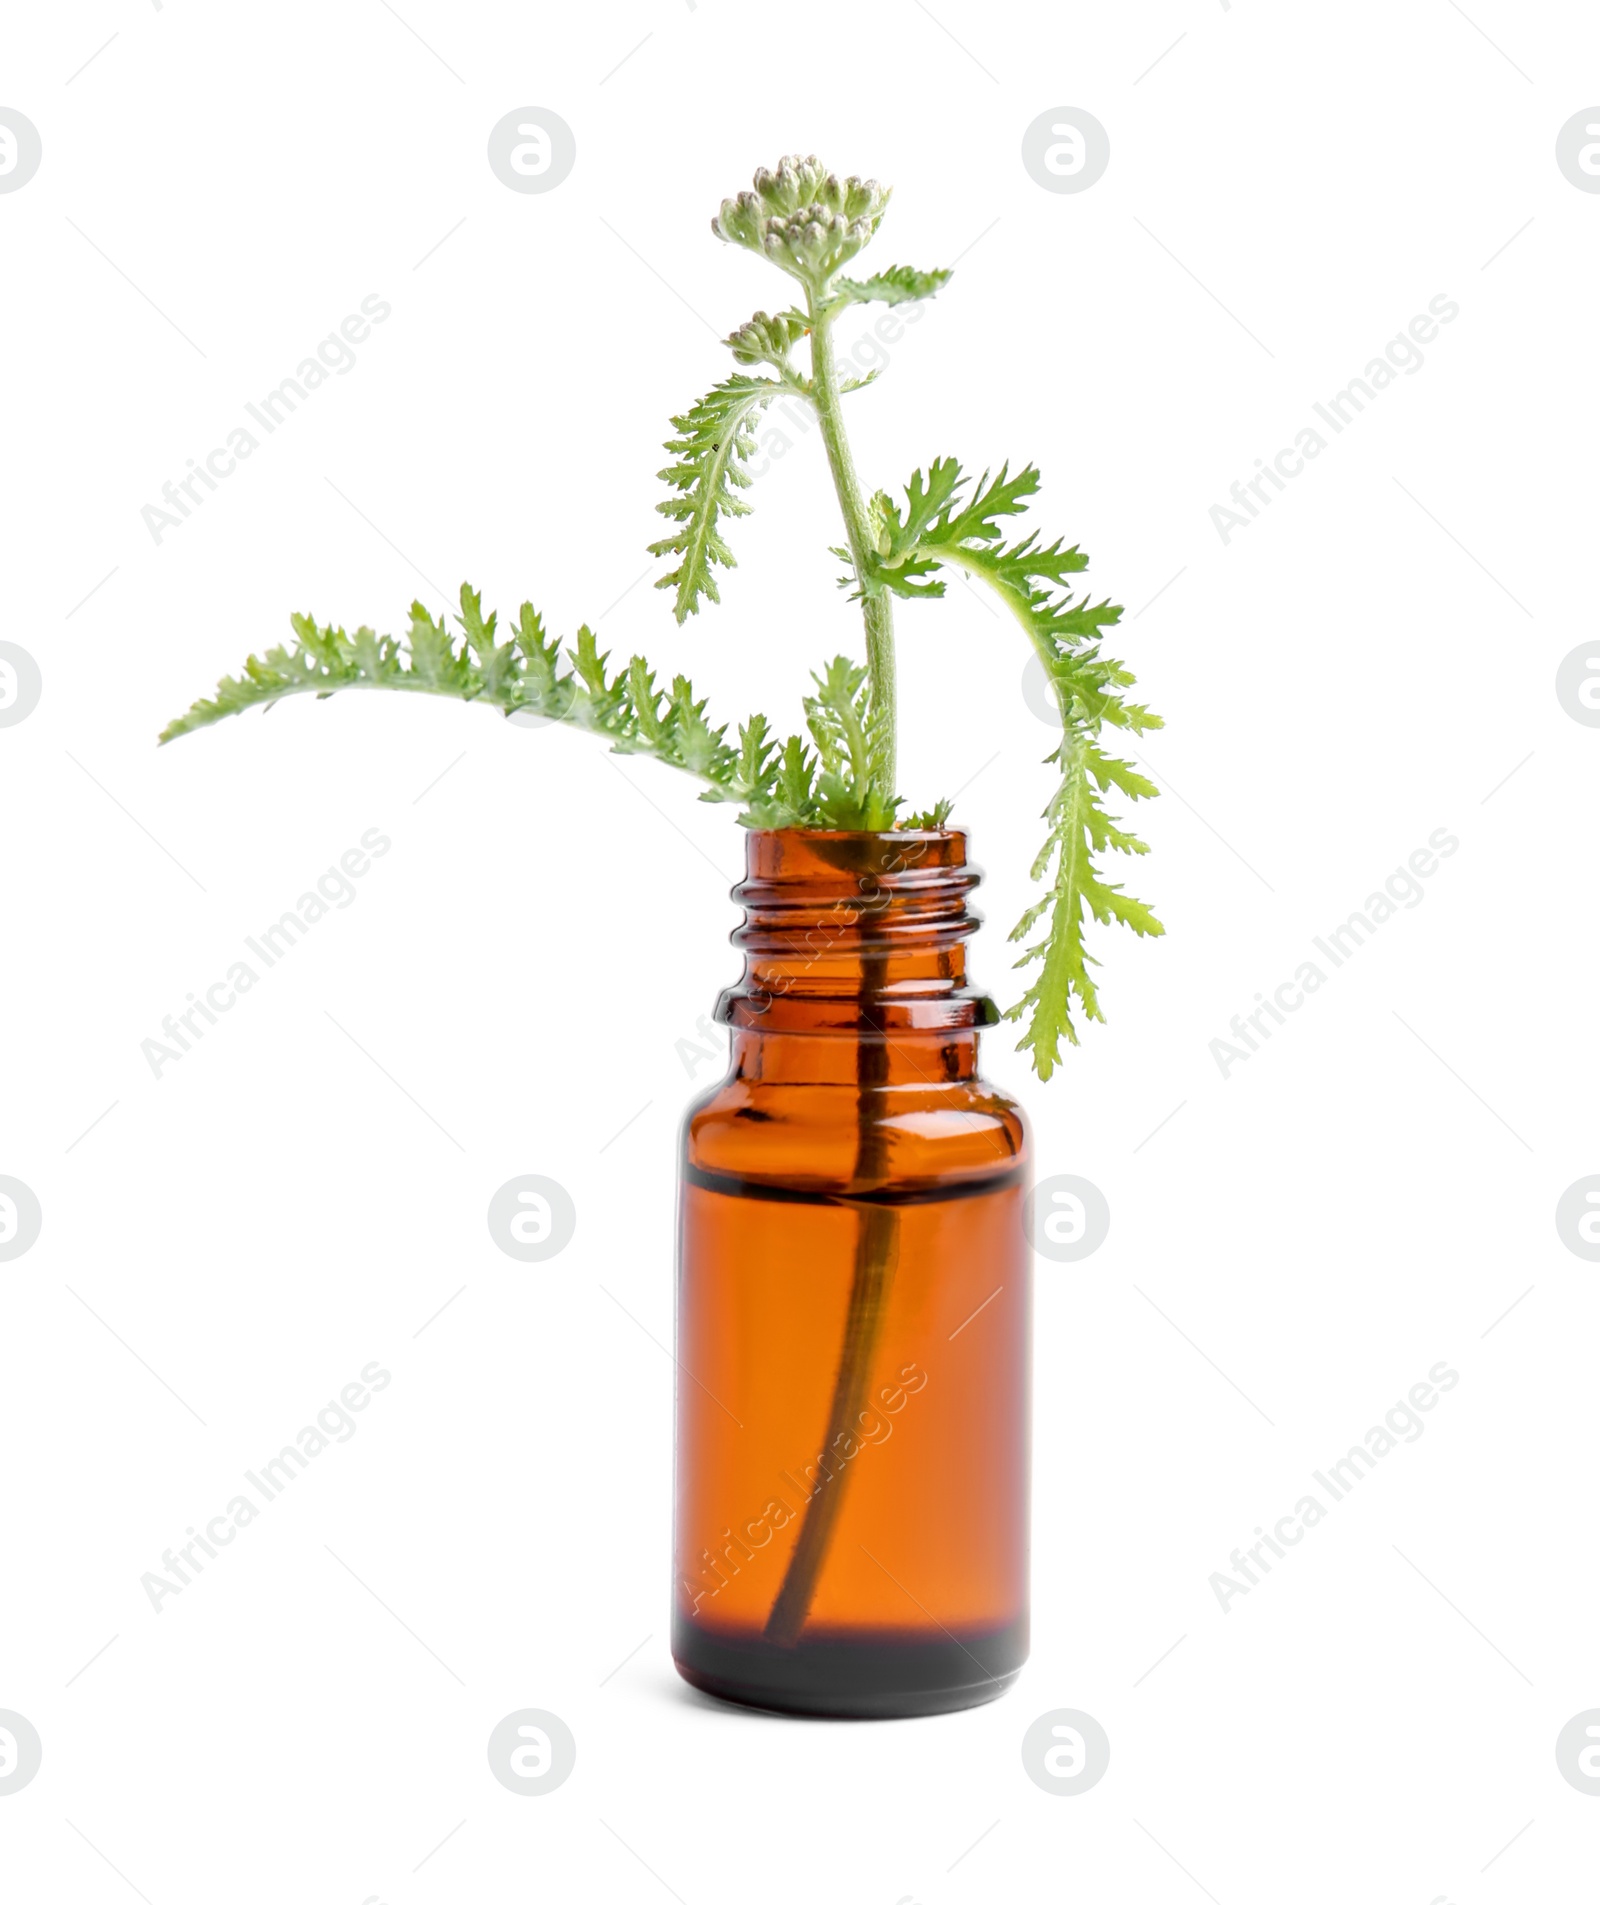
x=767 y=340
x=803 y=218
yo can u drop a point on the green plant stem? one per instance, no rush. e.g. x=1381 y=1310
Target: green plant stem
x=876 y=609
x=877 y=1234
x=877 y=1250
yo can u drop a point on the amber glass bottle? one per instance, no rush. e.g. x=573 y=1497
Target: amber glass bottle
x=853 y=1303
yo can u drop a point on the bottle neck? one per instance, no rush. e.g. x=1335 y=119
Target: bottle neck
x=858 y=940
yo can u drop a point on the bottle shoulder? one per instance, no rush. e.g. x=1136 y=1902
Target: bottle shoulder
x=948 y=1131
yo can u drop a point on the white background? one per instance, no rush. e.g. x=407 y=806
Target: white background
x=302 y=1192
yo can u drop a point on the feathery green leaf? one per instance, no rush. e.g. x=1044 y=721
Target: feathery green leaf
x=848 y=732
x=525 y=675
x=714 y=441
x=899 y=284
x=947 y=523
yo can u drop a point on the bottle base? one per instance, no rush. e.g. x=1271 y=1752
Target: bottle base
x=852 y=1676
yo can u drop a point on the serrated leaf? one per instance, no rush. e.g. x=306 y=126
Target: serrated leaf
x=928 y=499
x=944 y=524
x=776 y=787
x=713 y=443
x=899 y=284
x=849 y=735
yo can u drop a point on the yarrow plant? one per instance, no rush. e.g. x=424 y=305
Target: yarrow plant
x=810 y=224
